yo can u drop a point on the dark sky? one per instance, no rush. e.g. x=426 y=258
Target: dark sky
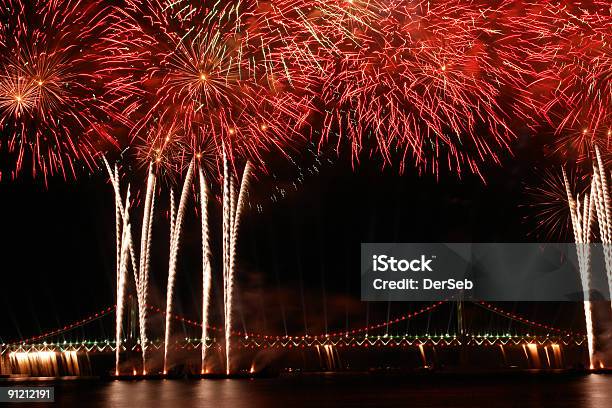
x=298 y=256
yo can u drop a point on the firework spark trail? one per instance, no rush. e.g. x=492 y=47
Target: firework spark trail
x=206 y=265
x=602 y=219
x=228 y=316
x=123 y=267
x=134 y=263
x=586 y=222
x=145 y=243
x=603 y=214
x=145 y=285
x=149 y=237
x=605 y=191
x=114 y=176
x=122 y=252
x=239 y=208
x=120 y=214
x=581 y=223
x=229 y=213
x=176 y=227
x=226 y=231
x=140 y=271
x=227 y=273
x=235 y=212
x=172 y=216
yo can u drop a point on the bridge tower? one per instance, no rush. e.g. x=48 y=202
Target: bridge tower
x=132 y=333
x=461 y=334
x=460 y=317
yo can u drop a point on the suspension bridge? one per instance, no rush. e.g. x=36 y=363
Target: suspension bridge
x=532 y=338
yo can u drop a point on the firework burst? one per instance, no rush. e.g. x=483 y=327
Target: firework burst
x=585 y=73
x=569 y=44
x=55 y=109
x=426 y=87
x=548 y=207
x=578 y=145
x=204 y=69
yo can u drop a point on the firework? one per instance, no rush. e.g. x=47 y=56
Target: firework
x=176 y=225
x=578 y=145
x=582 y=220
x=203 y=71
x=604 y=213
x=305 y=33
x=206 y=264
x=585 y=72
x=140 y=266
x=570 y=47
x=228 y=213
x=145 y=250
x=56 y=112
x=121 y=279
x=425 y=85
x=233 y=207
x=436 y=84
x=448 y=84
x=548 y=209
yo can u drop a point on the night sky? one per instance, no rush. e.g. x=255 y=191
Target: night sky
x=298 y=256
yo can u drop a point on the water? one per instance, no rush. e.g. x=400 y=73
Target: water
x=345 y=390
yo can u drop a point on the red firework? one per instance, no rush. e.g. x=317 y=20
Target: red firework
x=55 y=111
x=205 y=69
x=427 y=85
x=585 y=72
x=547 y=203
x=571 y=46
x=431 y=84
x=448 y=83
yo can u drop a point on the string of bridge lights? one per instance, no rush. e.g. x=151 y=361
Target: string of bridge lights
x=399 y=319
x=68 y=327
x=108 y=310
x=523 y=320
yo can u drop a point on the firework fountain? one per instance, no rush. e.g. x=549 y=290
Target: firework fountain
x=206 y=265
x=176 y=223
x=604 y=214
x=123 y=266
x=233 y=206
x=140 y=268
x=145 y=252
x=582 y=219
x=124 y=252
x=232 y=211
x=121 y=228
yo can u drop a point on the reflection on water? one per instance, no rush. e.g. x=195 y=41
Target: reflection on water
x=347 y=390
